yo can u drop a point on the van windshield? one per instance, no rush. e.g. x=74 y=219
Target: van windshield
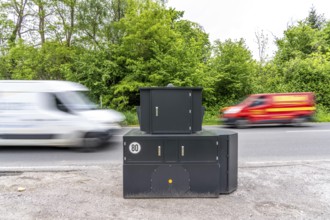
x=77 y=100
x=248 y=100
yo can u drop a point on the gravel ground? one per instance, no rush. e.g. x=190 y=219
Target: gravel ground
x=299 y=190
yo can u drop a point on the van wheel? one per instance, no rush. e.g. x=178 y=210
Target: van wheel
x=298 y=121
x=89 y=143
x=241 y=123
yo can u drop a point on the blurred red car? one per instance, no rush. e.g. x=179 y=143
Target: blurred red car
x=277 y=108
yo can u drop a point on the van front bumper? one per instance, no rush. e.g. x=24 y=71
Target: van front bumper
x=102 y=135
x=228 y=121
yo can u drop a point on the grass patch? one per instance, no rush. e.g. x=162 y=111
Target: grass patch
x=210 y=118
x=131 y=118
x=322 y=114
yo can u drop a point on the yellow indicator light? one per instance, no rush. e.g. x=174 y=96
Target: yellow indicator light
x=170 y=181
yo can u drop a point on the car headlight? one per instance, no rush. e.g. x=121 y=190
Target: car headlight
x=233 y=110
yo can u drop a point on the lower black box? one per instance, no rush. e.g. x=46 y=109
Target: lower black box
x=171 y=180
x=202 y=164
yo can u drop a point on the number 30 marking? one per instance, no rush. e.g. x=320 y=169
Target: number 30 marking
x=134 y=147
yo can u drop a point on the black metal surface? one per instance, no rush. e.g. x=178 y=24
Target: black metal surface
x=148 y=152
x=170 y=110
x=202 y=150
x=171 y=151
x=232 y=162
x=170 y=156
x=209 y=157
x=197 y=110
x=188 y=180
x=197 y=148
x=228 y=154
x=170 y=179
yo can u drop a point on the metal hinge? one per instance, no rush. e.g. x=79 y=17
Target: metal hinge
x=189 y=111
x=189 y=93
x=217 y=143
x=190 y=128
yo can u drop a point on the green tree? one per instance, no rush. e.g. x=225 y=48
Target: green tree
x=311 y=74
x=29 y=62
x=326 y=37
x=63 y=23
x=6 y=26
x=301 y=61
x=157 y=48
x=22 y=61
x=94 y=69
x=298 y=42
x=92 y=20
x=314 y=20
x=232 y=67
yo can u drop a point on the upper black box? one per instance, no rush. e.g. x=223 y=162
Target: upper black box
x=170 y=110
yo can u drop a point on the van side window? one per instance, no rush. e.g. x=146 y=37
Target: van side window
x=259 y=101
x=59 y=104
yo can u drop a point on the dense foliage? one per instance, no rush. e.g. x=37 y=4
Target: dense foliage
x=114 y=47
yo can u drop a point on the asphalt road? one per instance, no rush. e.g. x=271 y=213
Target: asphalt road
x=256 y=144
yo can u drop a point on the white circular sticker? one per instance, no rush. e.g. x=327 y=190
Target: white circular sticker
x=134 y=148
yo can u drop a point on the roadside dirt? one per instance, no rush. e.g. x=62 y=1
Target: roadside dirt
x=266 y=191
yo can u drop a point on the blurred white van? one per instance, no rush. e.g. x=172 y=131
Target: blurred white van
x=52 y=113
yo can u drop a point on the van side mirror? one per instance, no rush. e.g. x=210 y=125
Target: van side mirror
x=63 y=108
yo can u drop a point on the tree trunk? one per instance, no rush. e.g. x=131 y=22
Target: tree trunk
x=41 y=22
x=72 y=17
x=19 y=8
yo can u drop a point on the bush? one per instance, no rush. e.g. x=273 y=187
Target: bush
x=322 y=114
x=211 y=117
x=131 y=118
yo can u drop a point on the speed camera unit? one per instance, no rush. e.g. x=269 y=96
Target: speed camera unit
x=171 y=156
